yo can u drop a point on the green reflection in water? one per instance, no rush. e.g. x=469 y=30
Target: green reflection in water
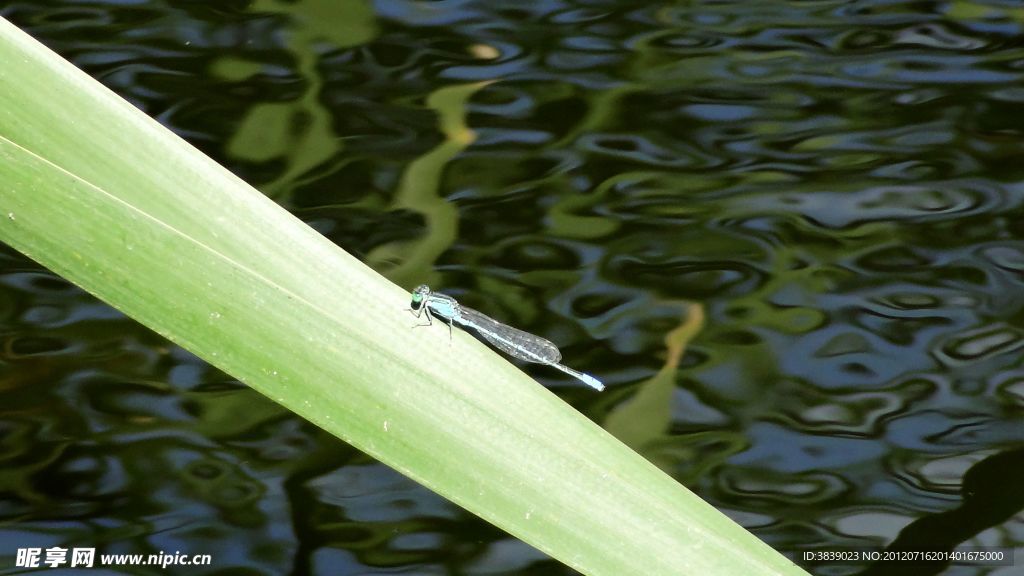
x=409 y=263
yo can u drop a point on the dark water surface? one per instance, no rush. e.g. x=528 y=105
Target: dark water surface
x=828 y=194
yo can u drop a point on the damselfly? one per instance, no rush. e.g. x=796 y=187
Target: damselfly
x=515 y=343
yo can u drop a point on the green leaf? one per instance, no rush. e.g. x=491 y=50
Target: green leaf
x=103 y=195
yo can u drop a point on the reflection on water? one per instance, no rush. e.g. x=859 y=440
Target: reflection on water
x=836 y=184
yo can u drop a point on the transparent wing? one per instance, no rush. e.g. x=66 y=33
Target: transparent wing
x=509 y=340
